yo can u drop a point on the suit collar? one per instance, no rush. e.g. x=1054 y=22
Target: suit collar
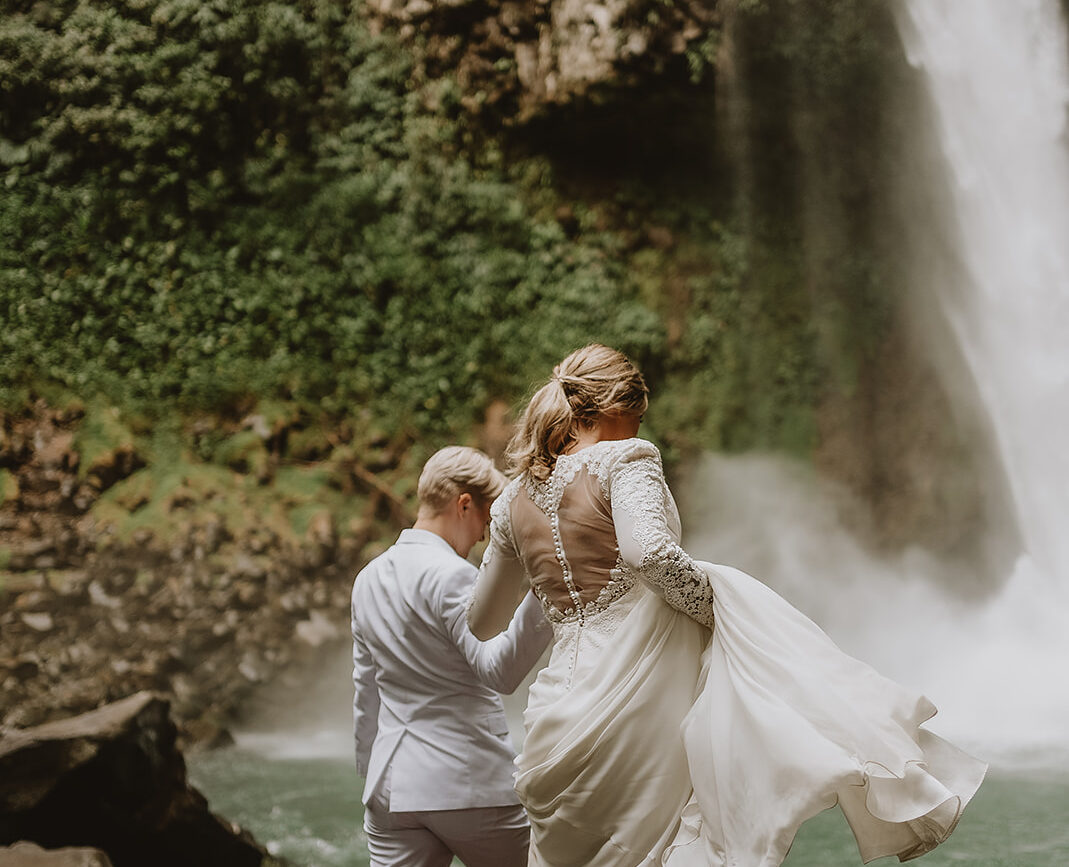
x=412 y=536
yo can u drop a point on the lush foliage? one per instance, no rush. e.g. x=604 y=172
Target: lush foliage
x=208 y=202
x=213 y=203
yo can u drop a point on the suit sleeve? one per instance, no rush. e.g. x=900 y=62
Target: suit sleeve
x=365 y=698
x=504 y=661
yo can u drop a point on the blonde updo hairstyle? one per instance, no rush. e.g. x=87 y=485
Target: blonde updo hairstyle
x=591 y=382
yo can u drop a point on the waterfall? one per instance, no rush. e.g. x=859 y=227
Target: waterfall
x=998 y=78
x=996 y=75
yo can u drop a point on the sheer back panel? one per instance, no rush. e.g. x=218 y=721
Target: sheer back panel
x=588 y=542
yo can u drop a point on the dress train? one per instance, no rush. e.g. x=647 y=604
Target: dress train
x=777 y=724
x=786 y=725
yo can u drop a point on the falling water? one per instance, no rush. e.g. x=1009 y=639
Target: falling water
x=997 y=77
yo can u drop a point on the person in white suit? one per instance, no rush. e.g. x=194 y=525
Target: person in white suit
x=431 y=736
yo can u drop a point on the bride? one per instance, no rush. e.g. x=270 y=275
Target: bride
x=688 y=715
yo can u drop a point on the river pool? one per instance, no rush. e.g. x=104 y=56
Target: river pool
x=308 y=811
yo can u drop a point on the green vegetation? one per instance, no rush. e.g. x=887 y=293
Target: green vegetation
x=213 y=203
x=9 y=490
x=214 y=208
x=101 y=433
x=177 y=492
x=742 y=373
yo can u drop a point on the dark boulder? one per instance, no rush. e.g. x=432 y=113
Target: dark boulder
x=113 y=779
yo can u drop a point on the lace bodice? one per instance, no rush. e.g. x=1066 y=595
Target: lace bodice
x=602 y=521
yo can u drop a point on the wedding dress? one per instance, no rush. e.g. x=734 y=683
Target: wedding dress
x=688 y=715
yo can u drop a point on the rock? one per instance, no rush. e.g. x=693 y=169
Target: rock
x=23 y=557
x=27 y=525
x=317 y=629
x=98 y=596
x=185 y=688
x=113 y=465
x=245 y=566
x=258 y=425
x=57 y=450
x=527 y=58
x=39 y=620
x=294 y=600
x=70 y=583
x=24 y=854
x=321 y=529
x=119 y=624
x=113 y=779
x=67 y=486
x=249 y=668
x=227 y=624
x=213 y=534
x=83 y=498
x=34 y=598
x=26 y=666
x=250 y=594
x=207 y=735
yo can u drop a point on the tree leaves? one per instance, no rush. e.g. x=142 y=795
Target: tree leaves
x=214 y=200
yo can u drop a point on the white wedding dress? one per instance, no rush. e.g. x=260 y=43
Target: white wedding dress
x=688 y=715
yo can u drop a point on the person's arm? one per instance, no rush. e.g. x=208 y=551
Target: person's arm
x=365 y=699
x=638 y=495
x=502 y=583
x=503 y=661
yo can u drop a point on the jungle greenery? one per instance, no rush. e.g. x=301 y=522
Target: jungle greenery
x=210 y=205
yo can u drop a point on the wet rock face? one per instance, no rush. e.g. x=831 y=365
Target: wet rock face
x=522 y=57
x=113 y=779
x=72 y=640
x=41 y=492
x=204 y=617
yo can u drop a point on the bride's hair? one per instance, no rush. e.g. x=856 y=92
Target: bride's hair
x=591 y=382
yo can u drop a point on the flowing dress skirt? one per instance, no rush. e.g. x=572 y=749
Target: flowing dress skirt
x=650 y=742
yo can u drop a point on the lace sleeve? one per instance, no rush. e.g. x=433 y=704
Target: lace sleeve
x=502 y=579
x=639 y=498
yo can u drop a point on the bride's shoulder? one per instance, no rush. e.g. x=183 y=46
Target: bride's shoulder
x=608 y=456
x=499 y=507
x=629 y=449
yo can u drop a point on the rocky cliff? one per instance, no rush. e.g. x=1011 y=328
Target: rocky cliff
x=517 y=60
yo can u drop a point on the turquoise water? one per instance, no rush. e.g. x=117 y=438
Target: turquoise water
x=308 y=811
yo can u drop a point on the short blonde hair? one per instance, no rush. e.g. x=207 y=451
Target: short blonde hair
x=593 y=381
x=457 y=470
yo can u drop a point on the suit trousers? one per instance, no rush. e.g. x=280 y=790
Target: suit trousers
x=478 y=836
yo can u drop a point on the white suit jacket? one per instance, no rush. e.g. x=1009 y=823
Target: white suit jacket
x=425 y=707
